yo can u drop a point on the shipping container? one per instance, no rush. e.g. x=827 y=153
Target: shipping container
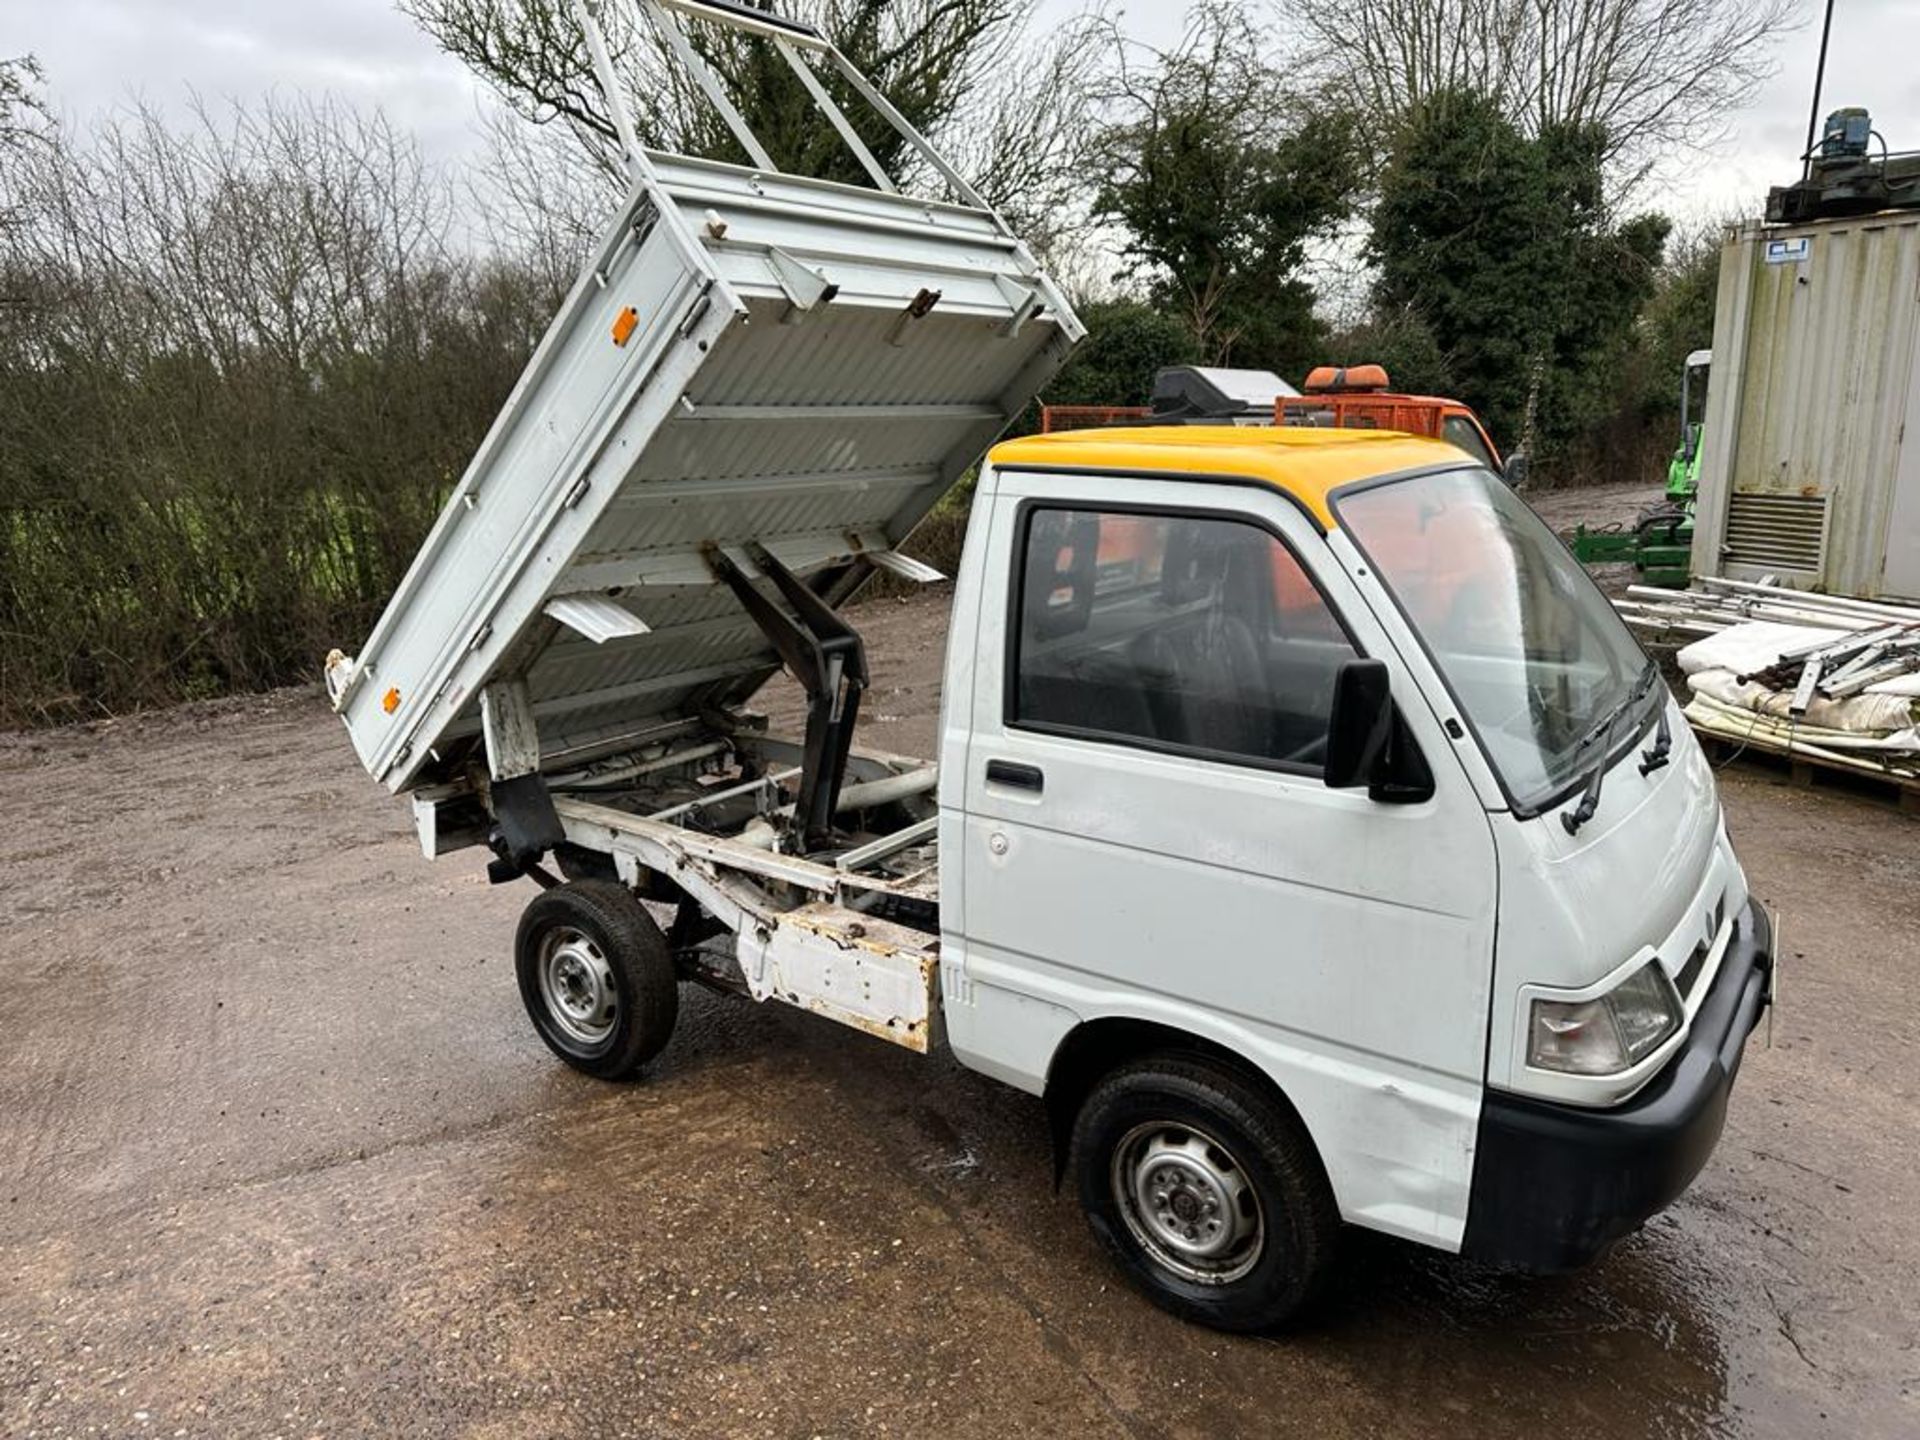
x=1807 y=473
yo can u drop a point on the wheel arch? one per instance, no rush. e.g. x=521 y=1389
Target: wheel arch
x=1096 y=1048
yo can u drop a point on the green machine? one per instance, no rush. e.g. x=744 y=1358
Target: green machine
x=1660 y=543
x=1683 y=471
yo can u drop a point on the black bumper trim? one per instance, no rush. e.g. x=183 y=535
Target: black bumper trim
x=1554 y=1186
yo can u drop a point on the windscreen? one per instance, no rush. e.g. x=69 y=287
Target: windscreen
x=1527 y=644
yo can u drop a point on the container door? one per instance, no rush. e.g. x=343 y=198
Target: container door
x=1148 y=833
x=1903 y=520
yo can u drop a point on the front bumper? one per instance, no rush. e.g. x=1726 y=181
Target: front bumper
x=1554 y=1186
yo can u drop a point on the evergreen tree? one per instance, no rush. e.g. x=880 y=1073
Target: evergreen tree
x=1503 y=246
x=1220 y=176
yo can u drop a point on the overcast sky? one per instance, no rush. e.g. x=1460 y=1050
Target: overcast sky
x=100 y=52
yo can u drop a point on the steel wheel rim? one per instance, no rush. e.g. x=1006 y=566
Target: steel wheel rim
x=1188 y=1203
x=577 y=987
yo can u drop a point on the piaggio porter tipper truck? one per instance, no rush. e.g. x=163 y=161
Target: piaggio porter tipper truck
x=1307 y=830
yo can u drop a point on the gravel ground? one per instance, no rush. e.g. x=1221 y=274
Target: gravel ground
x=280 y=1155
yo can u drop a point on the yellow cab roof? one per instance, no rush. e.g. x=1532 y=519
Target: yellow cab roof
x=1306 y=464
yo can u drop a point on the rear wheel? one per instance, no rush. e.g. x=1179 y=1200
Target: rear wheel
x=596 y=977
x=1207 y=1192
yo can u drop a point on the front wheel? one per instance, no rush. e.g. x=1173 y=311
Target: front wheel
x=1206 y=1191
x=596 y=977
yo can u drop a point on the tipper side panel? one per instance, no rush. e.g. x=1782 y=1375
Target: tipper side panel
x=553 y=460
x=851 y=354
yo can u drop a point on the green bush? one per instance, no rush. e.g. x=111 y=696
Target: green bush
x=239 y=375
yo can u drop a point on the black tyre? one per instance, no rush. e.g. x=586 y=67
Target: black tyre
x=1208 y=1192
x=596 y=977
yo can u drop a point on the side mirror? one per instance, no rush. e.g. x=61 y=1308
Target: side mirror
x=1362 y=725
x=1517 y=468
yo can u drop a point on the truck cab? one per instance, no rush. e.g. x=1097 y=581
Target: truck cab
x=1307 y=830
x=1429 y=866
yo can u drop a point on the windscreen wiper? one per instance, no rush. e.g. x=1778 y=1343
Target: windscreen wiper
x=1608 y=732
x=1662 y=751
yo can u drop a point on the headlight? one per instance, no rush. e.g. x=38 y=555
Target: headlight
x=1608 y=1035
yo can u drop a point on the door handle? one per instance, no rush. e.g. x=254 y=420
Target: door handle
x=1017 y=777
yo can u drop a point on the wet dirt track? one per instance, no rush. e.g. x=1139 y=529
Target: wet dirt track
x=279 y=1155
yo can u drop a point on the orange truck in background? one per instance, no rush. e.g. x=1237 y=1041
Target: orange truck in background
x=1091 y=417
x=1356 y=397
x=1359 y=397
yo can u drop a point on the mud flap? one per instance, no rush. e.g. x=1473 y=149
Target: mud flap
x=528 y=824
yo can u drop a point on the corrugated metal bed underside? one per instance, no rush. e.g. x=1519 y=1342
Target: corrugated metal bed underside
x=861 y=438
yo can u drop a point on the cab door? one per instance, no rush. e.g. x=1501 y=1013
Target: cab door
x=1147 y=833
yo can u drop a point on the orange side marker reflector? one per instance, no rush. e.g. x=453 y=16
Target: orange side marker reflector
x=390 y=702
x=624 y=327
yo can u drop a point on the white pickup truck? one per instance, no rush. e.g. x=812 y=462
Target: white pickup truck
x=1307 y=829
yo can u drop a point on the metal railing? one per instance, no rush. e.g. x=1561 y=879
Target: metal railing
x=801 y=46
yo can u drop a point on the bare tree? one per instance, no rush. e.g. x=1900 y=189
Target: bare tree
x=541 y=197
x=23 y=114
x=243 y=364
x=534 y=56
x=286 y=229
x=1021 y=131
x=1658 y=75
x=23 y=118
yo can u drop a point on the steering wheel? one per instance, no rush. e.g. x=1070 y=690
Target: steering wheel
x=1549 y=718
x=1538 y=715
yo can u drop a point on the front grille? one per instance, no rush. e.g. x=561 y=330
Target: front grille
x=1784 y=532
x=1689 y=975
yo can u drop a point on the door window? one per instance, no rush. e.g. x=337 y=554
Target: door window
x=1174 y=632
x=1461 y=433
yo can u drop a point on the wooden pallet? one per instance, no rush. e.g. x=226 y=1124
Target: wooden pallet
x=1808 y=772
